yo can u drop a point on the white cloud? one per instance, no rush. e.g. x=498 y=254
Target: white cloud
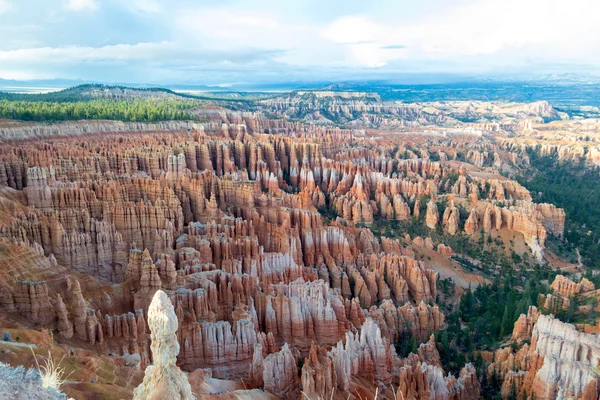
x=545 y=29
x=219 y=27
x=481 y=30
x=296 y=43
x=465 y=35
x=81 y=5
x=6 y=6
x=163 y=54
x=120 y=52
x=144 y=6
x=353 y=29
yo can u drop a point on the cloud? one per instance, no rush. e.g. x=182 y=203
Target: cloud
x=144 y=6
x=141 y=61
x=293 y=43
x=164 y=52
x=546 y=29
x=6 y=6
x=352 y=29
x=222 y=27
x=121 y=52
x=244 y=39
x=81 y=5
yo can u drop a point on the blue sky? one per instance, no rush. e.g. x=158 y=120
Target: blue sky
x=234 y=41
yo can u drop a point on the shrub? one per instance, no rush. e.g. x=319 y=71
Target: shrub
x=51 y=372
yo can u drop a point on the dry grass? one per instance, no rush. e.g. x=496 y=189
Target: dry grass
x=374 y=397
x=320 y=397
x=51 y=372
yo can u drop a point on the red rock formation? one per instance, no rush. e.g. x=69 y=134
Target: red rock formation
x=255 y=375
x=64 y=326
x=280 y=374
x=318 y=373
x=472 y=223
x=31 y=300
x=79 y=310
x=554 y=304
x=421 y=377
x=524 y=325
x=418 y=322
x=432 y=216
x=255 y=230
x=568 y=361
x=163 y=379
x=451 y=219
x=560 y=363
x=367 y=355
x=444 y=250
x=565 y=287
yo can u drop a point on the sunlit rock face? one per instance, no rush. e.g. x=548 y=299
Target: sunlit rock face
x=567 y=360
x=560 y=362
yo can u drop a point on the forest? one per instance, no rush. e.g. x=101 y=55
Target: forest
x=484 y=317
x=81 y=102
x=576 y=188
x=135 y=110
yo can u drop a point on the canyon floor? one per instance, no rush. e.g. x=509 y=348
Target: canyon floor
x=306 y=245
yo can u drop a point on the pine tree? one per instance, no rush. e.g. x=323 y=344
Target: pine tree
x=573 y=308
x=513 y=392
x=412 y=345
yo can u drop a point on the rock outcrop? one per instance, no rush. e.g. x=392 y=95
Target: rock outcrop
x=432 y=216
x=560 y=362
x=524 y=326
x=163 y=379
x=565 y=287
x=280 y=374
x=421 y=377
x=564 y=362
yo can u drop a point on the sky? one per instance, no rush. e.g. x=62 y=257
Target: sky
x=230 y=42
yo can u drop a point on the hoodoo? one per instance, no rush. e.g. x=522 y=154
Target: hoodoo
x=163 y=379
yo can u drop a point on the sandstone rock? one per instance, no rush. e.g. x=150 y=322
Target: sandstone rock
x=472 y=223
x=421 y=377
x=79 y=310
x=255 y=375
x=570 y=360
x=368 y=355
x=444 y=250
x=280 y=374
x=416 y=321
x=432 y=217
x=487 y=220
x=31 y=299
x=451 y=219
x=318 y=373
x=64 y=326
x=560 y=363
x=253 y=227
x=524 y=325
x=565 y=287
x=163 y=379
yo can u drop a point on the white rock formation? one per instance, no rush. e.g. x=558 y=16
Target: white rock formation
x=571 y=366
x=163 y=380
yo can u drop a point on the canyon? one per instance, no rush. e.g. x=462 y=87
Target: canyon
x=268 y=253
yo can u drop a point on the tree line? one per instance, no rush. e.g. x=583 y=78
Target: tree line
x=134 y=110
